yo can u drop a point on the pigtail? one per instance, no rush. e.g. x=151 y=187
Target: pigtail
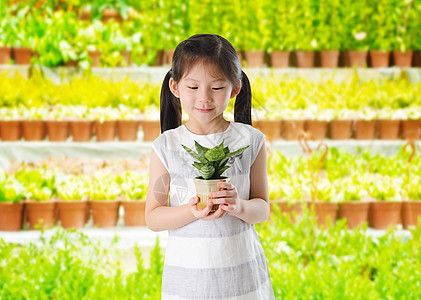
x=170 y=108
x=242 y=106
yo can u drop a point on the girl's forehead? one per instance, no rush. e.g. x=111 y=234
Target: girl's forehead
x=204 y=71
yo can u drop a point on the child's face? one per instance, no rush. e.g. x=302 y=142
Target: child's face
x=203 y=96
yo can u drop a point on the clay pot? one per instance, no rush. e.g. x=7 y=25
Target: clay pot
x=105 y=213
x=204 y=187
x=57 y=131
x=291 y=129
x=389 y=129
x=33 y=130
x=383 y=214
x=81 y=130
x=270 y=128
x=151 y=129
x=403 y=59
x=255 y=59
x=167 y=57
x=340 y=129
x=127 y=130
x=105 y=131
x=279 y=59
x=41 y=214
x=72 y=213
x=329 y=58
x=325 y=212
x=5 y=55
x=358 y=58
x=355 y=212
x=318 y=128
x=11 y=216
x=159 y=57
x=240 y=56
x=71 y=63
x=411 y=211
x=126 y=58
x=417 y=59
x=96 y=57
x=111 y=13
x=379 y=58
x=365 y=130
x=22 y=56
x=411 y=129
x=290 y=210
x=134 y=212
x=305 y=59
x=10 y=130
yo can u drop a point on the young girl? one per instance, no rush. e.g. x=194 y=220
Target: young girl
x=209 y=255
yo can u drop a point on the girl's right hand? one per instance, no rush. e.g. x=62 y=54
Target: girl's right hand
x=204 y=214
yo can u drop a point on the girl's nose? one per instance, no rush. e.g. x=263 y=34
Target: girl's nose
x=205 y=96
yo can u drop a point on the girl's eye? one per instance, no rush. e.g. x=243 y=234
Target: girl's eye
x=217 y=89
x=192 y=87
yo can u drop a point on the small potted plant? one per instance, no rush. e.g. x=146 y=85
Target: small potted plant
x=33 y=124
x=293 y=123
x=365 y=124
x=150 y=123
x=128 y=123
x=81 y=123
x=411 y=125
x=411 y=209
x=340 y=128
x=389 y=121
x=11 y=204
x=133 y=189
x=318 y=120
x=10 y=124
x=105 y=122
x=57 y=123
x=212 y=162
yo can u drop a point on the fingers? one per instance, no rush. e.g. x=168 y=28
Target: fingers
x=225 y=185
x=219 y=213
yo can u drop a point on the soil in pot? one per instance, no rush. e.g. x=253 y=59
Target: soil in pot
x=105 y=213
x=127 y=130
x=72 y=213
x=11 y=216
x=389 y=129
x=57 y=131
x=340 y=129
x=134 y=212
x=325 y=212
x=305 y=59
x=329 y=58
x=411 y=211
x=291 y=129
x=151 y=130
x=255 y=59
x=204 y=187
x=10 y=130
x=365 y=130
x=383 y=214
x=279 y=59
x=105 y=131
x=318 y=128
x=355 y=213
x=411 y=129
x=41 y=214
x=270 y=128
x=33 y=130
x=81 y=130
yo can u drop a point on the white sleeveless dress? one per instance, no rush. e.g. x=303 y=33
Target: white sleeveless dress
x=217 y=259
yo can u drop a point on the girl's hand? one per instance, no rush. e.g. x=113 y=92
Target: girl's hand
x=227 y=199
x=204 y=214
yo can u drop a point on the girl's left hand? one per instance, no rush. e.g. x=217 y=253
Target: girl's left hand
x=227 y=199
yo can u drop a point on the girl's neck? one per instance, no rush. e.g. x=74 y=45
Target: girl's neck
x=199 y=128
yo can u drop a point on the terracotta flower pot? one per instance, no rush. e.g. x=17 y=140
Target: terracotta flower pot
x=72 y=213
x=305 y=59
x=105 y=131
x=270 y=128
x=355 y=212
x=389 y=129
x=290 y=210
x=105 y=213
x=167 y=57
x=71 y=63
x=127 y=130
x=325 y=212
x=340 y=129
x=96 y=57
x=365 y=130
x=11 y=216
x=10 y=130
x=255 y=59
x=411 y=129
x=22 y=56
x=411 y=211
x=134 y=212
x=126 y=57
x=33 y=130
x=204 y=187
x=291 y=129
x=57 y=131
x=240 y=57
x=279 y=59
x=151 y=129
x=111 y=13
x=379 y=58
x=318 y=128
x=383 y=214
x=358 y=58
x=403 y=59
x=329 y=58
x=41 y=214
x=81 y=130
x=5 y=55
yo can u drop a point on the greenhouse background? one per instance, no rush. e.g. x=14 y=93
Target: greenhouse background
x=336 y=90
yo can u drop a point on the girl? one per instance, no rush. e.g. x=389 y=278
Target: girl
x=209 y=255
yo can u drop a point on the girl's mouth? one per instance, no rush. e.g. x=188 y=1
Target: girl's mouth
x=204 y=110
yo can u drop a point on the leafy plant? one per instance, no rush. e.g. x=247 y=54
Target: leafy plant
x=212 y=162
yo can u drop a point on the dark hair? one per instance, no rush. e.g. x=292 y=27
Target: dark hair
x=204 y=48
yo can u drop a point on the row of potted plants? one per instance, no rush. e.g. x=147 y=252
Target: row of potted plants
x=304 y=26
x=42 y=197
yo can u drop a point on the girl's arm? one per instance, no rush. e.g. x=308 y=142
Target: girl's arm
x=158 y=215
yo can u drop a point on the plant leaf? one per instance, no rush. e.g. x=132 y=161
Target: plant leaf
x=195 y=155
x=200 y=149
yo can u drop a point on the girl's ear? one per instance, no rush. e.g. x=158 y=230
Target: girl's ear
x=236 y=90
x=174 y=88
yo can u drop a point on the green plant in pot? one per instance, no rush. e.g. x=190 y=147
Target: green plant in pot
x=212 y=162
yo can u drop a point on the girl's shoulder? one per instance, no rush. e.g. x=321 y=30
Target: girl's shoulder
x=246 y=129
